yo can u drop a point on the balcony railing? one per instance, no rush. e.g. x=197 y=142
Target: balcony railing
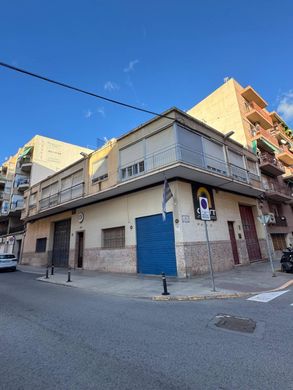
x=21 y=182
x=17 y=205
x=63 y=196
x=179 y=153
x=260 y=132
x=274 y=186
x=269 y=158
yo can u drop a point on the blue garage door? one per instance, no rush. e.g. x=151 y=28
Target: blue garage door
x=155 y=245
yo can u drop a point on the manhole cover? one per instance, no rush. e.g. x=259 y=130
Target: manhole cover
x=238 y=324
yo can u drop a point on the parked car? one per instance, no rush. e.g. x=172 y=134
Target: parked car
x=8 y=261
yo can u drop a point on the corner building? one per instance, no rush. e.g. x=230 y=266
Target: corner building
x=105 y=212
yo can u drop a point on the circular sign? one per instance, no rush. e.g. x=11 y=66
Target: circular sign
x=204 y=203
x=80 y=217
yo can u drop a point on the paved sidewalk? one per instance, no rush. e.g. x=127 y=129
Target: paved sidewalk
x=241 y=281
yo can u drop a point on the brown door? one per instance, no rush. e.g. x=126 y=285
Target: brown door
x=233 y=242
x=80 y=236
x=250 y=233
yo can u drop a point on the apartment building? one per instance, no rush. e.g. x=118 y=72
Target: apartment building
x=36 y=160
x=105 y=212
x=244 y=111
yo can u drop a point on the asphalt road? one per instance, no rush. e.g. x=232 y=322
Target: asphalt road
x=54 y=337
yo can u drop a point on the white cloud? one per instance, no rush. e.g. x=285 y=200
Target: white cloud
x=285 y=107
x=130 y=66
x=101 y=111
x=88 y=114
x=111 y=86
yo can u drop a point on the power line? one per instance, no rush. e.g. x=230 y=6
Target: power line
x=61 y=84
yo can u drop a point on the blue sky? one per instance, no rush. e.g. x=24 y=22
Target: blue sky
x=153 y=54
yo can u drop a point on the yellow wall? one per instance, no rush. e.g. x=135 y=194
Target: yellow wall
x=221 y=110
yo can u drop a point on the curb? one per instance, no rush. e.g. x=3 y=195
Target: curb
x=200 y=297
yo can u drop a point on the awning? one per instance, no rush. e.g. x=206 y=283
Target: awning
x=25 y=152
x=273 y=147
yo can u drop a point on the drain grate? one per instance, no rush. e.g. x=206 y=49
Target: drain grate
x=237 y=324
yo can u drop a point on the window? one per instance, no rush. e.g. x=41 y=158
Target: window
x=114 y=238
x=100 y=170
x=132 y=170
x=279 y=241
x=32 y=200
x=41 y=244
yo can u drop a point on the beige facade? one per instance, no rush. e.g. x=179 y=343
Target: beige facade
x=232 y=107
x=36 y=160
x=100 y=204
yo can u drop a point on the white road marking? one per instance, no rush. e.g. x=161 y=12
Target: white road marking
x=291 y=304
x=266 y=297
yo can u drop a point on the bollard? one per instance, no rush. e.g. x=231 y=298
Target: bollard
x=165 y=292
x=47 y=273
x=52 y=270
x=69 y=276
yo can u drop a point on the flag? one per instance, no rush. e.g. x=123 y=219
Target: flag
x=167 y=195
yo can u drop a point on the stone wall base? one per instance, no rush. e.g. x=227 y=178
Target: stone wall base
x=35 y=259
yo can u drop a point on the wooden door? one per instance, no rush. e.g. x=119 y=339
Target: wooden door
x=250 y=233
x=233 y=242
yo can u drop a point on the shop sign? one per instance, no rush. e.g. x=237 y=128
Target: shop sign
x=203 y=191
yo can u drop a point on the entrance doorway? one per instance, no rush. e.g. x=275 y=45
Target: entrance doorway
x=79 y=248
x=61 y=243
x=250 y=233
x=233 y=242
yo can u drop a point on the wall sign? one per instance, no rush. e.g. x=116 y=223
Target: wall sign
x=203 y=191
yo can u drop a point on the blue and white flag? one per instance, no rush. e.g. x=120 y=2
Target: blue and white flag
x=167 y=195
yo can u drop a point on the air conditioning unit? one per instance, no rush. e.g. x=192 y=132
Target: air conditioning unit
x=272 y=218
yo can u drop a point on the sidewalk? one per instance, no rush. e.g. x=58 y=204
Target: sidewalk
x=241 y=281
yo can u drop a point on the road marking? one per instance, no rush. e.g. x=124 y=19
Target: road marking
x=291 y=304
x=266 y=297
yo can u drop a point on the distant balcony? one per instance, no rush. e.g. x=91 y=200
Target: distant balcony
x=288 y=176
x=15 y=229
x=269 y=164
x=17 y=205
x=285 y=155
x=26 y=163
x=277 y=192
x=280 y=132
x=181 y=154
x=23 y=184
x=265 y=139
x=2 y=181
x=251 y=95
x=257 y=115
x=61 y=197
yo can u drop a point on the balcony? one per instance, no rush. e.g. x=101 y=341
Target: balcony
x=288 y=176
x=285 y=155
x=252 y=96
x=277 y=192
x=180 y=154
x=281 y=133
x=257 y=115
x=270 y=165
x=25 y=163
x=2 y=181
x=16 y=229
x=17 y=205
x=265 y=139
x=23 y=184
x=62 y=197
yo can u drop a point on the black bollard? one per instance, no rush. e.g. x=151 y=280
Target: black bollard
x=69 y=276
x=165 y=292
x=47 y=273
x=52 y=270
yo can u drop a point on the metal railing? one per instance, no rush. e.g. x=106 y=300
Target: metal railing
x=269 y=158
x=63 y=196
x=17 y=205
x=275 y=186
x=20 y=182
x=15 y=229
x=259 y=131
x=179 y=153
